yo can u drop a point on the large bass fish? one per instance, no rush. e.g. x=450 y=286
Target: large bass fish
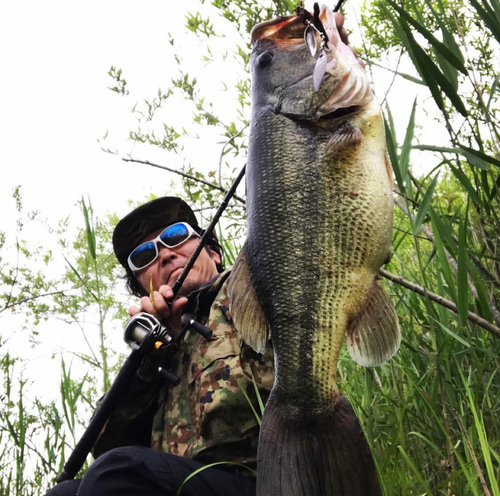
x=320 y=210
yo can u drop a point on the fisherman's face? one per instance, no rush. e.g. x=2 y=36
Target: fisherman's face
x=171 y=261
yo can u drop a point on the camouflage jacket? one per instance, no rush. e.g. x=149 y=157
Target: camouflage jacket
x=211 y=415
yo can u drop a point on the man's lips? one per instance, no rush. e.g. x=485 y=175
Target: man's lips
x=174 y=275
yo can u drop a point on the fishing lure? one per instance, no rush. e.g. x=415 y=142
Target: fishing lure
x=314 y=25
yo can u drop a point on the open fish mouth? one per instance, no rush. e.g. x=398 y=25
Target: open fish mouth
x=283 y=30
x=340 y=113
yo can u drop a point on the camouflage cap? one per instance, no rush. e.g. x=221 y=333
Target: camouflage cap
x=135 y=226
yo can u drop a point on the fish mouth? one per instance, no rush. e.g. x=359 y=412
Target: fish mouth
x=288 y=29
x=340 y=113
x=282 y=30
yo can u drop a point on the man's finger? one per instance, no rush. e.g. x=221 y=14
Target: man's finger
x=344 y=36
x=166 y=291
x=134 y=310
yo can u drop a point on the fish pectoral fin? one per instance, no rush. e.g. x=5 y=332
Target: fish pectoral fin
x=343 y=136
x=373 y=335
x=246 y=309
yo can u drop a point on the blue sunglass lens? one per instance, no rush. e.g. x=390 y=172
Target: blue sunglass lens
x=175 y=234
x=143 y=255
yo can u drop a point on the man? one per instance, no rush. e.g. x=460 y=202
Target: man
x=210 y=416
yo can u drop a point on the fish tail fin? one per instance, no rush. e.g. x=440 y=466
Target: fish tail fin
x=320 y=454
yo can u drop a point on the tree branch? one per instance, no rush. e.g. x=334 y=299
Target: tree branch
x=183 y=174
x=30 y=298
x=453 y=264
x=493 y=329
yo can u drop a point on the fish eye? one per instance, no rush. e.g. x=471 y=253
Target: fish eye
x=265 y=59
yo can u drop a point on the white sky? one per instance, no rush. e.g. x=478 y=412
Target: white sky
x=54 y=101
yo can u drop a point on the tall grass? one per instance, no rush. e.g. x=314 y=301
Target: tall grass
x=35 y=436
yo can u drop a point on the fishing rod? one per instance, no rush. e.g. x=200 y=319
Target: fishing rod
x=208 y=232
x=143 y=333
x=339 y=4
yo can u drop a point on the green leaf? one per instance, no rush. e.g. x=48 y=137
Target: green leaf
x=413 y=79
x=241 y=384
x=464 y=181
x=259 y=397
x=486 y=158
x=464 y=151
x=415 y=471
x=463 y=281
x=482 y=299
x=85 y=285
x=438 y=46
x=435 y=148
x=474 y=160
x=426 y=440
x=449 y=41
x=404 y=158
x=196 y=472
x=481 y=434
x=424 y=65
x=452 y=334
x=430 y=72
x=393 y=156
x=487 y=14
x=89 y=231
x=400 y=32
x=438 y=229
x=494 y=88
x=424 y=205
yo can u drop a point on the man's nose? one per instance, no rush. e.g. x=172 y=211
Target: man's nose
x=166 y=254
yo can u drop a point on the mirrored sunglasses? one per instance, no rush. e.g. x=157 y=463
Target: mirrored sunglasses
x=171 y=237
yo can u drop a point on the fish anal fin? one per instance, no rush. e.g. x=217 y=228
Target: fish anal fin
x=343 y=136
x=373 y=334
x=246 y=310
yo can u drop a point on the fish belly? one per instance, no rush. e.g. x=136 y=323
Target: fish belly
x=319 y=227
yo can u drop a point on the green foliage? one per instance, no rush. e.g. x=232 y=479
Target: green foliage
x=34 y=434
x=121 y=83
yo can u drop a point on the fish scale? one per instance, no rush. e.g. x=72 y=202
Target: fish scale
x=319 y=217
x=294 y=308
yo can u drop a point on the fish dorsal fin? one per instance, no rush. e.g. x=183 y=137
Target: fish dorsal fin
x=246 y=309
x=373 y=335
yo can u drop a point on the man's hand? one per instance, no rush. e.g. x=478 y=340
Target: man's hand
x=170 y=317
x=339 y=19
